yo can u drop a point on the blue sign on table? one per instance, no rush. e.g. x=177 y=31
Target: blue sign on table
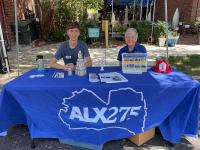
x=93 y=32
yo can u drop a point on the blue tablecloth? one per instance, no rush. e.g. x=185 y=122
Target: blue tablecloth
x=74 y=108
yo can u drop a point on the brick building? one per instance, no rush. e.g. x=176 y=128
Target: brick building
x=189 y=10
x=7 y=15
x=6 y=18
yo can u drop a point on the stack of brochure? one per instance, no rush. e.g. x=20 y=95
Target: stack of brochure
x=112 y=77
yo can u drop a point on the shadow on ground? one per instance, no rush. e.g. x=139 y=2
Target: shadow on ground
x=18 y=138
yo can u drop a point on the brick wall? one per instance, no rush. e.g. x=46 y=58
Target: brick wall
x=186 y=9
x=7 y=19
x=195 y=10
x=9 y=14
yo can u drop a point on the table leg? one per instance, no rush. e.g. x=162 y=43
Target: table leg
x=33 y=143
x=158 y=132
x=171 y=144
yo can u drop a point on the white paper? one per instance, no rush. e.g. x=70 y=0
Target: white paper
x=112 y=77
x=36 y=76
x=3 y=133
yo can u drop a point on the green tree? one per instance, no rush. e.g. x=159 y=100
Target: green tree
x=78 y=8
x=54 y=15
x=73 y=10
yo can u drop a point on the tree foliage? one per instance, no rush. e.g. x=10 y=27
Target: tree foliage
x=63 y=12
x=77 y=9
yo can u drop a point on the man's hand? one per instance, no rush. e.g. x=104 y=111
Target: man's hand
x=54 y=64
x=70 y=65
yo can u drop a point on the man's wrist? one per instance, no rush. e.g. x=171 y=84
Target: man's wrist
x=65 y=67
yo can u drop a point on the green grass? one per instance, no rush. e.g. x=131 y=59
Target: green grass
x=188 y=64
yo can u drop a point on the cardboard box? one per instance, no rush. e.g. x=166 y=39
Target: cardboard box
x=141 y=138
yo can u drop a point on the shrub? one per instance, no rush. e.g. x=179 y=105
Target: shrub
x=57 y=36
x=144 y=29
x=159 y=28
x=119 y=28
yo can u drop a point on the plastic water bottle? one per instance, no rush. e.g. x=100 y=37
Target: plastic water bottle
x=69 y=71
x=40 y=62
